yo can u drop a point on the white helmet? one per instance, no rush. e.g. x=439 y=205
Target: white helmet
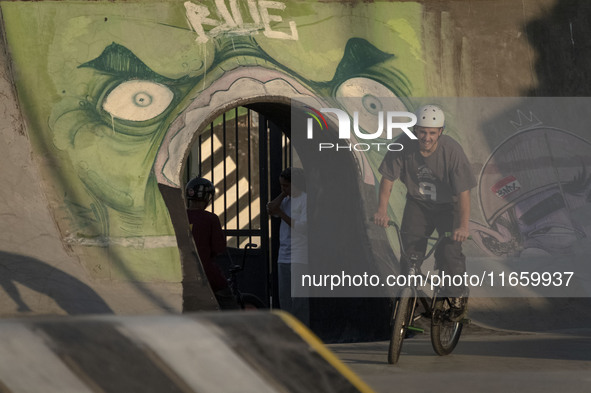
x=430 y=116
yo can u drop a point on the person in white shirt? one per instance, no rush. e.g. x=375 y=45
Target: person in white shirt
x=290 y=206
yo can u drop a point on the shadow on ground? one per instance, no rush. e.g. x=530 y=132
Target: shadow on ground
x=70 y=294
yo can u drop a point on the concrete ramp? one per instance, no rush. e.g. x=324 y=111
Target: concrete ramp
x=532 y=314
x=205 y=352
x=39 y=273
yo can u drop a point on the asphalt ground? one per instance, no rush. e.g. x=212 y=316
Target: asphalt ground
x=485 y=360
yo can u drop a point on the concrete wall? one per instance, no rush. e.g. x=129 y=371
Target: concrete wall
x=112 y=94
x=41 y=273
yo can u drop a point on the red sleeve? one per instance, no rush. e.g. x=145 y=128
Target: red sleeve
x=218 y=240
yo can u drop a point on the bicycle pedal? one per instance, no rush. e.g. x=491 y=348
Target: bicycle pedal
x=465 y=321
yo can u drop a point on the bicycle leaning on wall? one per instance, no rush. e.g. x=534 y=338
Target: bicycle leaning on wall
x=246 y=301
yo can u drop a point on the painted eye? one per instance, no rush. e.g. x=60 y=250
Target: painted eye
x=138 y=100
x=368 y=97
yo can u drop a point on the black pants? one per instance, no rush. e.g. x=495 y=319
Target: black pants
x=419 y=221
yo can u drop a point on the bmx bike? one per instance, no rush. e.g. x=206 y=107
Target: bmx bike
x=445 y=332
x=246 y=301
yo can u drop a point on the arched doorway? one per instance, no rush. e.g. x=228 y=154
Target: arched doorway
x=333 y=319
x=242 y=153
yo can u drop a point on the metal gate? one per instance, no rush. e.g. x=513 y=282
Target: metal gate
x=242 y=154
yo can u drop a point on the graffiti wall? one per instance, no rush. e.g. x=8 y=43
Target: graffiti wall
x=115 y=93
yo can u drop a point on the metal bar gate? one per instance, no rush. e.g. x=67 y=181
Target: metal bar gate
x=242 y=154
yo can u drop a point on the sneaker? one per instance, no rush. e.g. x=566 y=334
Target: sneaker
x=459 y=308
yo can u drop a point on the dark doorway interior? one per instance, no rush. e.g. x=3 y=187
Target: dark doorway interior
x=243 y=152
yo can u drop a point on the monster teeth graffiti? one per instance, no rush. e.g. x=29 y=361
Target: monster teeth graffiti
x=505 y=187
x=224 y=93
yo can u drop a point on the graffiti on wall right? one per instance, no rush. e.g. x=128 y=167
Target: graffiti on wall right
x=534 y=192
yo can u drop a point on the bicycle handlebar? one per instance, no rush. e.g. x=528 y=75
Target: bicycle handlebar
x=393 y=223
x=399 y=232
x=235 y=267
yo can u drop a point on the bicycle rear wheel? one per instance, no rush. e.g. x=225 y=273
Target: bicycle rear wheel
x=400 y=320
x=445 y=333
x=251 y=302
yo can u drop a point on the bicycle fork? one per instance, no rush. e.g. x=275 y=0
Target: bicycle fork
x=411 y=314
x=429 y=306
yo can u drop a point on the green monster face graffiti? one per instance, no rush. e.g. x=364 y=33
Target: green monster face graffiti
x=123 y=116
x=122 y=89
x=125 y=113
x=250 y=74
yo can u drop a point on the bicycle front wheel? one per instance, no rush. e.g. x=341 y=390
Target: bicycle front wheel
x=445 y=333
x=400 y=320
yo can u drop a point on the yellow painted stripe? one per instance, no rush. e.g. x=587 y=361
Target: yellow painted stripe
x=319 y=347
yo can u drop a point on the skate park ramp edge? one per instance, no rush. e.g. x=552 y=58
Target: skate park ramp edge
x=196 y=352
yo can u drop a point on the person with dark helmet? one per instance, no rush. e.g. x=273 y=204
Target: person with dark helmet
x=209 y=238
x=438 y=178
